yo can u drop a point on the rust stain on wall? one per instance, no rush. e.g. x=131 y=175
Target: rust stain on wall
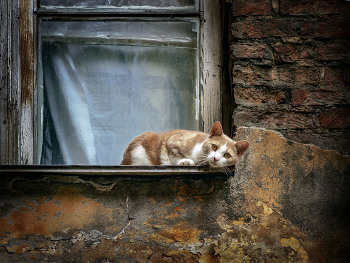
x=261 y=235
x=66 y=211
x=286 y=203
x=275 y=163
x=305 y=184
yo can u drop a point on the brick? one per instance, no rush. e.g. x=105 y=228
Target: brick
x=265 y=29
x=251 y=51
x=251 y=75
x=335 y=77
x=288 y=120
x=300 y=75
x=290 y=53
x=334 y=52
x=335 y=119
x=313 y=7
x=251 y=7
x=274 y=120
x=258 y=96
x=338 y=29
x=319 y=97
x=336 y=142
x=246 y=118
x=298 y=96
x=254 y=75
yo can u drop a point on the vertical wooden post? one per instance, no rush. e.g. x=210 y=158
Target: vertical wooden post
x=211 y=63
x=9 y=82
x=27 y=52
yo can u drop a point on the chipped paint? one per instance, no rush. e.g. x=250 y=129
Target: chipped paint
x=281 y=206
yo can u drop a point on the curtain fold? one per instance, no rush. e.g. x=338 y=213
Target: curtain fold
x=99 y=96
x=68 y=106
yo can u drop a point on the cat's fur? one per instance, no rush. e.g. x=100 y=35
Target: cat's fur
x=182 y=147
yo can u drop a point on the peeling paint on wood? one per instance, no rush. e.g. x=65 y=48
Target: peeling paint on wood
x=26 y=21
x=9 y=82
x=211 y=61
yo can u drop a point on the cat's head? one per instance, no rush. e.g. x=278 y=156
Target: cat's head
x=220 y=149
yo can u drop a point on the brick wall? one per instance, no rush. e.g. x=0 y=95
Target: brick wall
x=291 y=69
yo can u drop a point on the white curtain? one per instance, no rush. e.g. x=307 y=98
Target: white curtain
x=98 y=97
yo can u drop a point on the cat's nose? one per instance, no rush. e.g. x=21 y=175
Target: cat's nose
x=216 y=159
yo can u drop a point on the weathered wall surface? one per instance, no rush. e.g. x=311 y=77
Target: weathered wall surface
x=305 y=185
x=291 y=69
x=287 y=202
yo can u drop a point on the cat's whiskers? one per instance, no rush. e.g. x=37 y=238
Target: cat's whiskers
x=226 y=170
x=206 y=159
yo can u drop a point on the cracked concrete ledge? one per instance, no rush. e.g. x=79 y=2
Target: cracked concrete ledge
x=287 y=202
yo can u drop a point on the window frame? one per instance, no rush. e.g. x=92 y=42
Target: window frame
x=22 y=128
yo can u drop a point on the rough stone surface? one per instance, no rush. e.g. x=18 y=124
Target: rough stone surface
x=305 y=185
x=287 y=202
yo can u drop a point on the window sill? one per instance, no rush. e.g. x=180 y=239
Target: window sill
x=118 y=170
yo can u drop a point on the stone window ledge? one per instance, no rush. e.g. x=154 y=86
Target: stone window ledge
x=118 y=170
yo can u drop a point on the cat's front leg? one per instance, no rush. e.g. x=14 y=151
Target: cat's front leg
x=185 y=162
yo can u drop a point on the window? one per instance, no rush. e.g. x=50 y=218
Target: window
x=103 y=73
x=103 y=82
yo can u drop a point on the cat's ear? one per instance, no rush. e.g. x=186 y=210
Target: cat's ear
x=241 y=147
x=216 y=130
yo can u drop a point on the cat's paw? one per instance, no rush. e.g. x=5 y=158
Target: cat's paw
x=185 y=162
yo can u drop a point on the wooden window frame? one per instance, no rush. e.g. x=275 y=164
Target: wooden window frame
x=18 y=93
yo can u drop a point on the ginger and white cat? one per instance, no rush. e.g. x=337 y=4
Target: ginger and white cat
x=182 y=147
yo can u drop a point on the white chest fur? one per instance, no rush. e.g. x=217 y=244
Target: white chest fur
x=198 y=155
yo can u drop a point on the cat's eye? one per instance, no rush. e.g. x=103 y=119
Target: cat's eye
x=214 y=147
x=227 y=155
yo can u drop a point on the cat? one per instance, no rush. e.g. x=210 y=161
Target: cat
x=182 y=147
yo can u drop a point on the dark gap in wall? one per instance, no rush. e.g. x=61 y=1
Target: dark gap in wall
x=227 y=92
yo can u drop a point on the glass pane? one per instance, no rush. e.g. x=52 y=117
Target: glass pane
x=103 y=83
x=123 y=4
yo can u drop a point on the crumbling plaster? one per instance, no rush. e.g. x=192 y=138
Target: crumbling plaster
x=287 y=202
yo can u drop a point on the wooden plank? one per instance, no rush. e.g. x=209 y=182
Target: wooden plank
x=14 y=84
x=35 y=85
x=9 y=82
x=211 y=63
x=27 y=81
x=3 y=82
